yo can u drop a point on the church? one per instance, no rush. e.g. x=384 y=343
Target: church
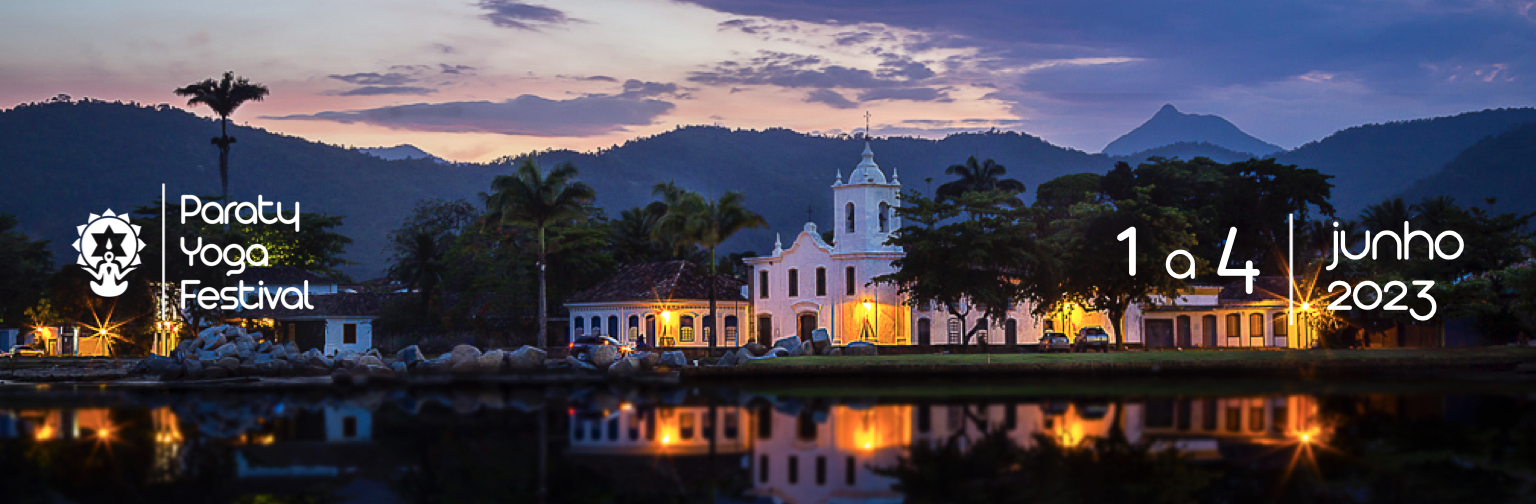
x=813 y=284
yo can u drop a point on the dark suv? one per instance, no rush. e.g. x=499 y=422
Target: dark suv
x=579 y=348
x=1091 y=338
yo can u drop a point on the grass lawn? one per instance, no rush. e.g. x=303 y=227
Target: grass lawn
x=1197 y=358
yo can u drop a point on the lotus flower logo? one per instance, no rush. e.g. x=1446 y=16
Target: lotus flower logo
x=109 y=249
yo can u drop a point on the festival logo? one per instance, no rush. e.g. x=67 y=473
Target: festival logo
x=109 y=249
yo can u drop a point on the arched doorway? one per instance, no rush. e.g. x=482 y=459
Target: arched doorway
x=650 y=329
x=1011 y=332
x=1208 y=331
x=924 y=332
x=807 y=324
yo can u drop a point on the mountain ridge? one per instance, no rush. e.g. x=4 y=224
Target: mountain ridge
x=1169 y=126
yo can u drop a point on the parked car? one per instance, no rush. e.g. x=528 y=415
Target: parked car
x=1054 y=342
x=1091 y=338
x=583 y=344
x=23 y=351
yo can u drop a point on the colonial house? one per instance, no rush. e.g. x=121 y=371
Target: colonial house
x=1225 y=316
x=814 y=284
x=339 y=320
x=665 y=303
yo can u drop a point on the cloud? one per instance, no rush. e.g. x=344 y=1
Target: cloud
x=522 y=16
x=909 y=94
x=375 y=78
x=525 y=115
x=830 y=97
x=456 y=69
x=634 y=88
x=806 y=71
x=387 y=90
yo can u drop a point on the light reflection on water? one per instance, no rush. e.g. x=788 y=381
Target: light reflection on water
x=733 y=445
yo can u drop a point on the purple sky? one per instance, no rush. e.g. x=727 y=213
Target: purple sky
x=473 y=80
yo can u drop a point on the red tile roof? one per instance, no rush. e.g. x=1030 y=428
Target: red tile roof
x=665 y=281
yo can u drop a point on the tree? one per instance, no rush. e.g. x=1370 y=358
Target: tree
x=979 y=177
x=223 y=96
x=692 y=219
x=24 y=267
x=532 y=198
x=1096 y=276
x=417 y=247
x=972 y=251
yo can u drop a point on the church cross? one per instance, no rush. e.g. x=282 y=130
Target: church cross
x=866 y=124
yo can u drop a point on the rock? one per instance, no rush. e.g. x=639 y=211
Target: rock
x=626 y=366
x=580 y=364
x=228 y=363
x=174 y=372
x=835 y=351
x=214 y=373
x=292 y=348
x=265 y=347
x=428 y=367
x=861 y=348
x=399 y=368
x=491 y=361
x=314 y=358
x=192 y=370
x=822 y=339
x=369 y=360
x=648 y=360
x=805 y=348
x=226 y=350
x=206 y=356
x=282 y=368
x=603 y=356
x=154 y=365
x=729 y=359
x=787 y=343
x=754 y=349
x=526 y=357
x=673 y=358
x=462 y=354
x=410 y=355
x=245 y=344
x=185 y=346
x=246 y=355
x=263 y=358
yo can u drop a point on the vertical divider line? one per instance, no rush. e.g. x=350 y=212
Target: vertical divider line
x=1290 y=272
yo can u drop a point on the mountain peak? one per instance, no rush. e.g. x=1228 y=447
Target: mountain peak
x=1169 y=126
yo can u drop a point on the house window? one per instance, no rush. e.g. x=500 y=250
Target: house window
x=349 y=427
x=1234 y=325
x=730 y=330
x=821 y=470
x=634 y=328
x=613 y=325
x=765 y=422
x=762 y=284
x=597 y=326
x=1234 y=418
x=1280 y=328
x=685 y=329
x=685 y=425
x=349 y=334
x=849 y=471
x=581 y=326
x=848 y=211
x=762 y=468
x=821 y=281
x=794 y=469
x=885 y=217
x=1256 y=325
x=1256 y=419
x=794 y=282
x=732 y=429
x=806 y=427
x=853 y=284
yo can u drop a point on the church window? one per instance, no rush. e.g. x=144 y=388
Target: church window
x=885 y=217
x=849 y=217
x=762 y=284
x=853 y=284
x=821 y=281
x=794 y=282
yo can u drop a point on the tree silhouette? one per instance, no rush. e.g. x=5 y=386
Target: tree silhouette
x=979 y=177
x=223 y=96
x=532 y=198
x=692 y=219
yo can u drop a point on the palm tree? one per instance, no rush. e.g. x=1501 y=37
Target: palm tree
x=532 y=198
x=979 y=177
x=708 y=223
x=223 y=97
x=422 y=265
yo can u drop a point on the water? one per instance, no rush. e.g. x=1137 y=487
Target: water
x=1030 y=441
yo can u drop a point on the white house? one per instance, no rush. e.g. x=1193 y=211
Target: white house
x=339 y=321
x=666 y=303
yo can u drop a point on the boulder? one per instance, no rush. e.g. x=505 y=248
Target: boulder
x=822 y=339
x=282 y=368
x=263 y=358
x=835 y=351
x=861 y=348
x=490 y=362
x=526 y=357
x=192 y=370
x=603 y=356
x=264 y=347
x=754 y=349
x=245 y=344
x=226 y=350
x=228 y=363
x=673 y=358
x=206 y=356
x=185 y=346
x=787 y=343
x=462 y=354
x=370 y=360
x=648 y=360
x=580 y=364
x=410 y=355
x=399 y=368
x=805 y=348
x=154 y=365
x=626 y=366
x=292 y=348
x=729 y=359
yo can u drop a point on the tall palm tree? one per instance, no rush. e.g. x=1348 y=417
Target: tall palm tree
x=708 y=223
x=979 y=176
x=532 y=198
x=422 y=265
x=223 y=97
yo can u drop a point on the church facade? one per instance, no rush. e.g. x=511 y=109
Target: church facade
x=813 y=284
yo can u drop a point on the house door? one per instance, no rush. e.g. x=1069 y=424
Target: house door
x=1158 y=333
x=924 y=332
x=765 y=329
x=1011 y=332
x=1208 y=331
x=1184 y=331
x=807 y=324
x=650 y=330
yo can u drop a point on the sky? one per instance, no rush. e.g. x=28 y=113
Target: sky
x=473 y=80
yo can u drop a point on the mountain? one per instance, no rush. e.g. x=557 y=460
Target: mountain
x=1187 y=150
x=1497 y=167
x=1169 y=126
x=399 y=152
x=1373 y=162
x=64 y=161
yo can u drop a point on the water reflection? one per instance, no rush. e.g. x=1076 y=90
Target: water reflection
x=733 y=445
